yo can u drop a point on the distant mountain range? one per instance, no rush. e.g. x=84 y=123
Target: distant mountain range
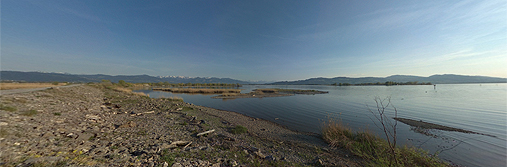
x=434 y=79
x=64 y=77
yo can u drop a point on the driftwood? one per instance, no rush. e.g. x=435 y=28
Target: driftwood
x=203 y=133
x=149 y=112
x=187 y=145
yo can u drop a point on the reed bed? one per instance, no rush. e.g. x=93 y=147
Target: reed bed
x=203 y=91
x=6 y=86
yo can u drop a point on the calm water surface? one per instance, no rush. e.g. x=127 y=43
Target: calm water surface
x=476 y=107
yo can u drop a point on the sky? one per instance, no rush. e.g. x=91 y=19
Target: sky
x=270 y=40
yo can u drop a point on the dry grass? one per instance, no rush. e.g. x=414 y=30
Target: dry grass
x=203 y=91
x=5 y=86
x=126 y=90
x=262 y=91
x=175 y=98
x=230 y=94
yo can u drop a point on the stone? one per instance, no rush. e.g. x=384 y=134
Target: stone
x=232 y=163
x=270 y=158
x=260 y=155
x=177 y=165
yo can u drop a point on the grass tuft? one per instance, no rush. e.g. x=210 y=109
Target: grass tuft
x=7 y=108
x=239 y=129
x=29 y=113
x=175 y=98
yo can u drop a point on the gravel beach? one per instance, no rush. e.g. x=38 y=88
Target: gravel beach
x=89 y=125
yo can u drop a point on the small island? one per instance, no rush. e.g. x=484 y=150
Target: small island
x=270 y=92
x=199 y=91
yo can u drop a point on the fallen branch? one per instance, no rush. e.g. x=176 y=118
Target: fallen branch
x=203 y=133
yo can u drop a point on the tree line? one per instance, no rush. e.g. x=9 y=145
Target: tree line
x=388 y=83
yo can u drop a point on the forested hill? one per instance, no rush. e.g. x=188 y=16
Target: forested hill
x=434 y=79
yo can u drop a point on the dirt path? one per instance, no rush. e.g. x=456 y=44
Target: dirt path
x=15 y=91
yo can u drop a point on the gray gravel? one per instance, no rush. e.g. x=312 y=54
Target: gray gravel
x=93 y=126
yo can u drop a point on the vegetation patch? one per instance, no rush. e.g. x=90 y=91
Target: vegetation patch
x=197 y=90
x=187 y=109
x=29 y=113
x=375 y=149
x=174 y=98
x=239 y=129
x=3 y=132
x=6 y=86
x=291 y=91
x=7 y=108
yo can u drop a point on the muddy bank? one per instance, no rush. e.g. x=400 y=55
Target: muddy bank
x=427 y=125
x=94 y=126
x=250 y=95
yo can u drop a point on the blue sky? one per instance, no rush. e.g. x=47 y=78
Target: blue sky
x=255 y=40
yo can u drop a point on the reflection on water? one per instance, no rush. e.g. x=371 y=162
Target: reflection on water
x=475 y=107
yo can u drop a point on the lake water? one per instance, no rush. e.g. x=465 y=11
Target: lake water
x=480 y=108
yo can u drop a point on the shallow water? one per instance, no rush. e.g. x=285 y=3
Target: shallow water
x=480 y=108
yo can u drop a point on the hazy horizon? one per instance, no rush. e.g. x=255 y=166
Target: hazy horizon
x=263 y=81
x=256 y=40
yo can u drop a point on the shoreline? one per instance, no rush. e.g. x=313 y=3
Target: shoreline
x=92 y=125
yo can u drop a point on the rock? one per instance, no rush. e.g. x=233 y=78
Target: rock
x=270 y=158
x=4 y=123
x=128 y=124
x=259 y=154
x=72 y=135
x=177 y=165
x=232 y=163
x=165 y=164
